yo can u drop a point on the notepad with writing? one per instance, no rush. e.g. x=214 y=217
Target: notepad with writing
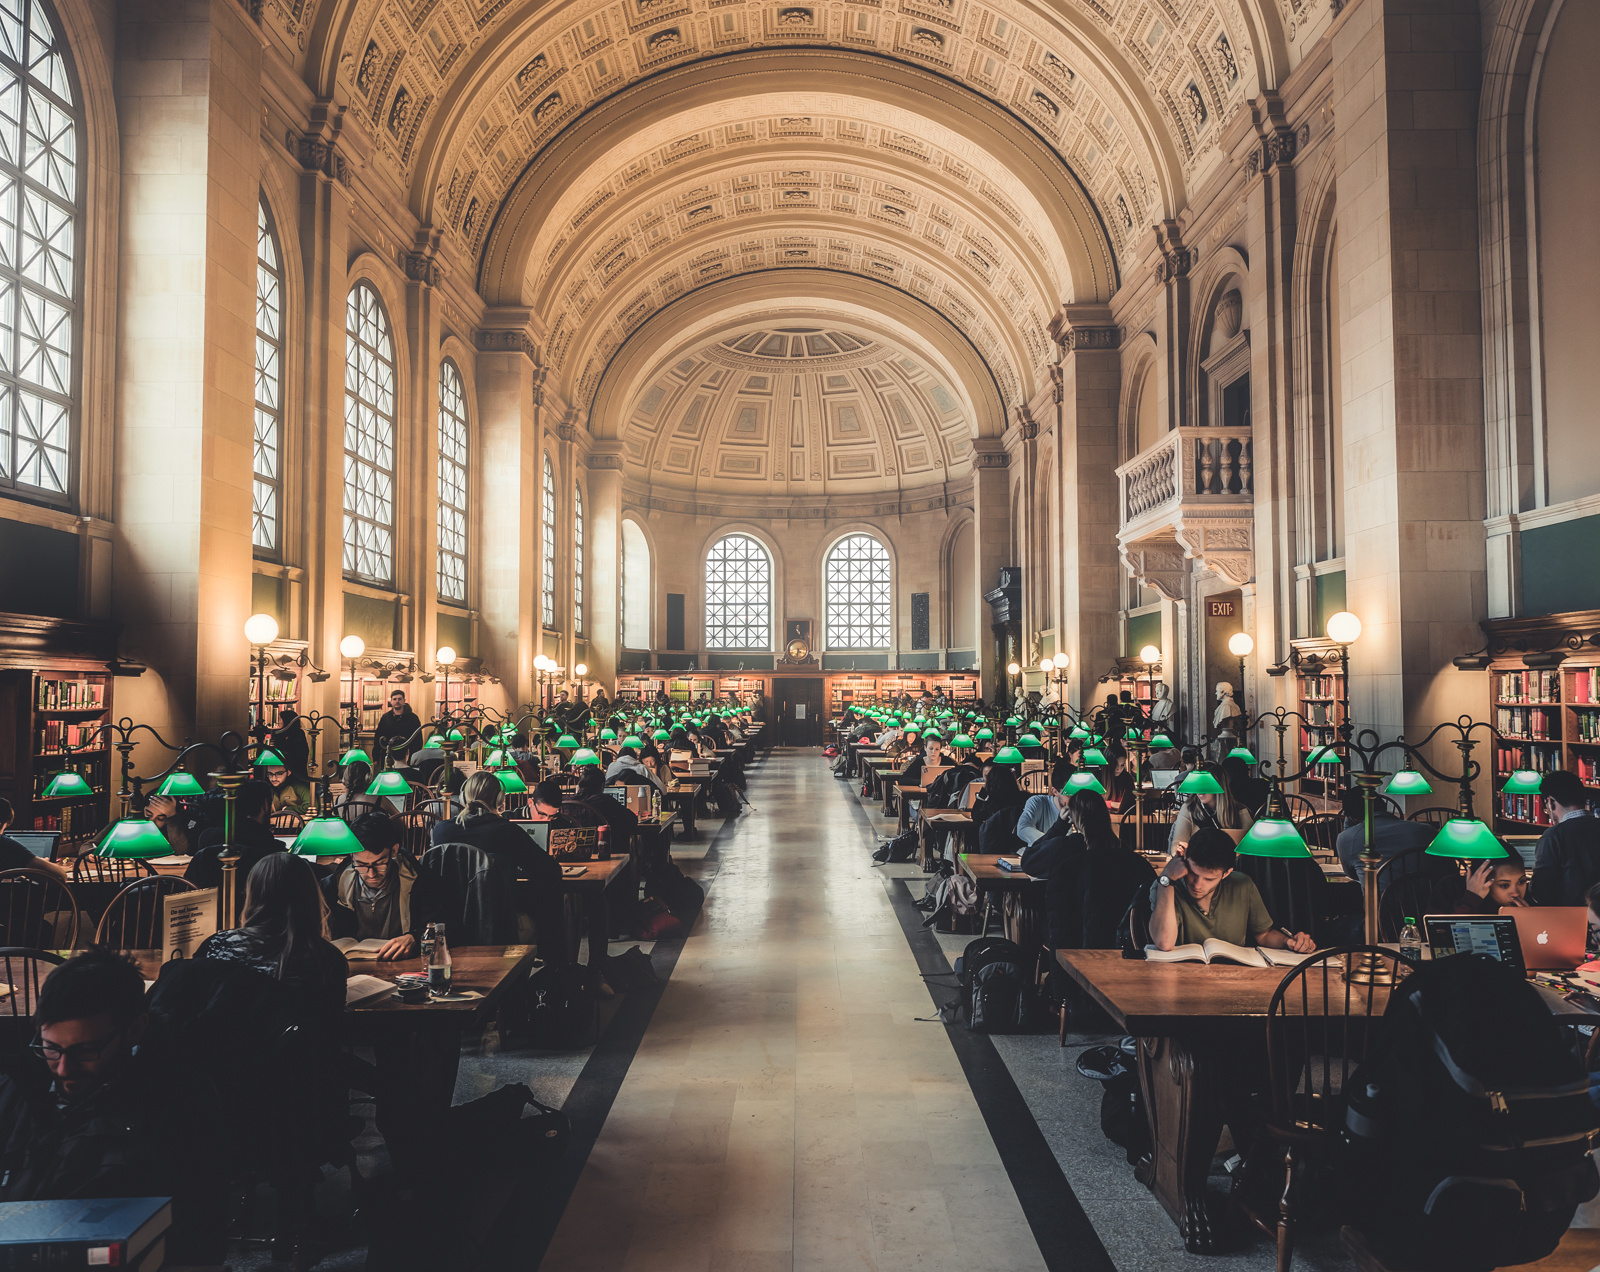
x=359 y=988
x=352 y=948
x=1215 y=951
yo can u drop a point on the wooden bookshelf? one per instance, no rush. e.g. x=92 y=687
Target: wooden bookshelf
x=1320 y=690
x=1544 y=720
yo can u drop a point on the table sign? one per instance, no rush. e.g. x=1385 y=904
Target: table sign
x=187 y=918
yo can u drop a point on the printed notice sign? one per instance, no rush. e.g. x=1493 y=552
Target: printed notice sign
x=187 y=918
x=799 y=711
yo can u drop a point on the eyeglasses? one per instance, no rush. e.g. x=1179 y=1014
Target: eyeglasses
x=77 y=1053
x=373 y=867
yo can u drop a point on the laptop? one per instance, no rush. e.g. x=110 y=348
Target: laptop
x=1494 y=935
x=1523 y=845
x=1163 y=778
x=618 y=793
x=537 y=831
x=41 y=843
x=1553 y=937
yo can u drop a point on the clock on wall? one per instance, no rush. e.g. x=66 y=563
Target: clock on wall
x=798 y=649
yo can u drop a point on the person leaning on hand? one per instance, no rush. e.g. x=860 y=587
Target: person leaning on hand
x=1198 y=896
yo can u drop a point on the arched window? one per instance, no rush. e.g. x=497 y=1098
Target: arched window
x=858 y=594
x=369 y=427
x=738 y=594
x=635 y=585
x=267 y=486
x=452 y=485
x=40 y=212
x=547 y=523
x=577 y=560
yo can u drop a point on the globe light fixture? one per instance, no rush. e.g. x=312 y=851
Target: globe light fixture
x=1344 y=628
x=1240 y=645
x=1047 y=665
x=1013 y=668
x=352 y=647
x=445 y=656
x=261 y=629
x=1149 y=654
x=581 y=670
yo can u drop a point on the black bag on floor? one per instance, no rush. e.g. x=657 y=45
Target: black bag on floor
x=557 y=1008
x=493 y=1130
x=668 y=884
x=900 y=848
x=1468 y=1127
x=630 y=970
x=996 y=986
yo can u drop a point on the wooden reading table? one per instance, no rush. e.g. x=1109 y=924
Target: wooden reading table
x=1022 y=897
x=599 y=880
x=904 y=794
x=955 y=821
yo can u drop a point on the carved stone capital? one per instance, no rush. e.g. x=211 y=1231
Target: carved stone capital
x=317 y=155
x=1077 y=336
x=606 y=461
x=1027 y=426
x=423 y=267
x=509 y=342
x=1224 y=545
x=1281 y=147
x=990 y=459
x=1160 y=565
x=1058 y=383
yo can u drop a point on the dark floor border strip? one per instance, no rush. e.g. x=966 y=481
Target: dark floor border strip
x=528 y=1224
x=1066 y=1236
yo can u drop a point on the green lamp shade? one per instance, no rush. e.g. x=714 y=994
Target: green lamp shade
x=179 y=784
x=1085 y=781
x=1323 y=755
x=583 y=757
x=132 y=837
x=608 y=735
x=457 y=736
x=1132 y=735
x=550 y=724
x=1052 y=723
x=1523 y=782
x=1273 y=837
x=933 y=734
x=433 y=743
x=1008 y=755
x=1161 y=742
x=911 y=730
x=389 y=782
x=1078 y=732
x=1013 y=723
x=496 y=758
x=566 y=739
x=1464 y=837
x=984 y=735
x=355 y=755
x=325 y=837
x=511 y=782
x=634 y=741
x=1407 y=782
x=1027 y=739
x=1095 y=757
x=962 y=742
x=269 y=759
x=1238 y=753
x=1200 y=782
x=661 y=735
x=67 y=786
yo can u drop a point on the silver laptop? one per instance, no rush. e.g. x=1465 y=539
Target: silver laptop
x=41 y=843
x=538 y=831
x=1163 y=778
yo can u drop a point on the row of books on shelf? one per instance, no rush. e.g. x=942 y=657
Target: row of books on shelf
x=56 y=736
x=1536 y=759
x=1321 y=712
x=1586 y=685
x=1588 y=727
x=69 y=695
x=1321 y=687
x=70 y=821
x=1528 y=686
x=1587 y=767
x=1533 y=809
x=1527 y=722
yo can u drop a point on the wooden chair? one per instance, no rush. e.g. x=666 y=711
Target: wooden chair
x=1300 y=808
x=1037 y=782
x=24 y=970
x=287 y=820
x=37 y=911
x=1322 y=831
x=416 y=831
x=1433 y=816
x=92 y=869
x=133 y=919
x=1319 y=1027
x=1411 y=884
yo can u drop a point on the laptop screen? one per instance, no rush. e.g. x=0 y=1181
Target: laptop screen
x=618 y=793
x=41 y=843
x=537 y=831
x=1495 y=936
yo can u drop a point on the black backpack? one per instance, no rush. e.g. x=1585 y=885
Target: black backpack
x=899 y=849
x=556 y=1009
x=996 y=986
x=668 y=884
x=1468 y=1127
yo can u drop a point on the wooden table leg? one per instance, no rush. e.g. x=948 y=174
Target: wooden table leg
x=1183 y=1098
x=888 y=796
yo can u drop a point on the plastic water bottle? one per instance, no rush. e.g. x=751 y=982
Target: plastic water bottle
x=1410 y=943
x=439 y=963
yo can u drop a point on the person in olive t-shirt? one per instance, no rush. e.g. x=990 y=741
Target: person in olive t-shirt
x=1198 y=896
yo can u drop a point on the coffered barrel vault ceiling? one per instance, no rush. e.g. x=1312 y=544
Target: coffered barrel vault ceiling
x=593 y=162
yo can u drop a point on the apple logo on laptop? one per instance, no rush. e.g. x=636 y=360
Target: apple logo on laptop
x=1543 y=938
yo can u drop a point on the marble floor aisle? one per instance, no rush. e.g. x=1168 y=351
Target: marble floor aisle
x=785 y=1109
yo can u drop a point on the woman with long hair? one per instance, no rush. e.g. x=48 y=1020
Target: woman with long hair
x=283 y=934
x=480 y=824
x=1219 y=809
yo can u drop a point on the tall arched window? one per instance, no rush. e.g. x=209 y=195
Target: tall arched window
x=267 y=487
x=738 y=594
x=635 y=586
x=547 y=523
x=40 y=211
x=369 y=427
x=577 y=560
x=859 y=594
x=452 y=485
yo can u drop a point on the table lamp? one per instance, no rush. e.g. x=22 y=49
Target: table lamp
x=1028 y=739
x=1094 y=757
x=1238 y=753
x=1523 y=782
x=1199 y=782
x=1407 y=782
x=389 y=782
x=1008 y=755
x=1466 y=838
x=355 y=755
x=1273 y=837
x=584 y=757
x=961 y=742
x=566 y=741
x=180 y=784
x=66 y=785
x=511 y=781
x=325 y=837
x=1085 y=781
x=269 y=759
x=132 y=837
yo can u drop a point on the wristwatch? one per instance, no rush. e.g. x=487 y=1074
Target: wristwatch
x=1162 y=881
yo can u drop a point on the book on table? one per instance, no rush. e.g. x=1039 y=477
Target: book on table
x=125 y=1232
x=1009 y=864
x=352 y=948
x=1215 y=951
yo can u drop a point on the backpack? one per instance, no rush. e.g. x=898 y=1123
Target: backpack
x=996 y=987
x=1469 y=1126
x=956 y=905
x=900 y=848
x=557 y=1008
x=667 y=883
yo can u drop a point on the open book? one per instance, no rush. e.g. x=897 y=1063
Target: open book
x=352 y=948
x=1215 y=951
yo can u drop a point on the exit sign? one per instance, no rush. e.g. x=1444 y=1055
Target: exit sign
x=1219 y=609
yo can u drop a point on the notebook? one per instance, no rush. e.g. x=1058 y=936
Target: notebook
x=1494 y=935
x=1552 y=937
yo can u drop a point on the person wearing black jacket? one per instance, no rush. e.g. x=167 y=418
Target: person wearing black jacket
x=620 y=823
x=289 y=741
x=382 y=893
x=479 y=824
x=1567 y=862
x=1091 y=878
x=253 y=839
x=398 y=730
x=996 y=810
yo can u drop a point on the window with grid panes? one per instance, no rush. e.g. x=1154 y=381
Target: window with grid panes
x=369 y=435
x=40 y=218
x=267 y=484
x=858 y=592
x=738 y=594
x=577 y=560
x=452 y=549
x=547 y=522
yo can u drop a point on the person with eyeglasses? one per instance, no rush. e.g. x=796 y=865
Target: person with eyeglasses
x=382 y=893
x=87 y=1111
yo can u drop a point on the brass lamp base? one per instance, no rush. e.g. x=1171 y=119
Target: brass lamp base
x=1369 y=969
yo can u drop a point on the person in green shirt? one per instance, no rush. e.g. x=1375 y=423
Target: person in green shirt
x=1197 y=896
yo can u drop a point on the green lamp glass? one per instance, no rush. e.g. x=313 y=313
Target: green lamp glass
x=1466 y=838
x=511 y=782
x=985 y=734
x=1132 y=735
x=1085 y=781
x=1273 y=837
x=1079 y=732
x=457 y=736
x=911 y=730
x=1199 y=782
x=567 y=740
x=1052 y=723
x=1161 y=742
x=608 y=735
x=934 y=734
x=132 y=837
x=269 y=759
x=433 y=743
x=1008 y=755
x=633 y=742
x=180 y=784
x=1407 y=782
x=389 y=782
x=1238 y=753
x=661 y=735
x=355 y=755
x=1094 y=757
x=1323 y=755
x=584 y=757
x=325 y=837
x=67 y=785
x=1013 y=723
x=496 y=758
x=1523 y=782
x=1027 y=739
x=961 y=742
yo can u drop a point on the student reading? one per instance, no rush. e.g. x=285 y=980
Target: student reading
x=1197 y=896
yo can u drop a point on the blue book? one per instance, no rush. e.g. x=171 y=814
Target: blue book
x=81 y=1233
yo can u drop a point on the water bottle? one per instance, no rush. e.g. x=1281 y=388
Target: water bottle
x=438 y=962
x=602 y=848
x=1410 y=943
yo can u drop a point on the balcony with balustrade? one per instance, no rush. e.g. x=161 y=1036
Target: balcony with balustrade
x=1189 y=496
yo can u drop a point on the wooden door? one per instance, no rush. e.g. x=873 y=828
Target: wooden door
x=800 y=708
